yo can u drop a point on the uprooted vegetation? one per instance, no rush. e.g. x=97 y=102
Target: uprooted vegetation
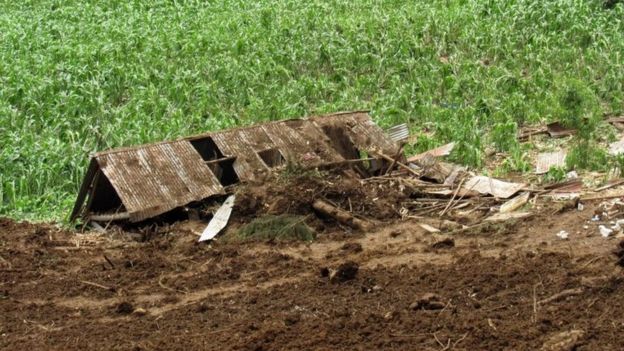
x=276 y=228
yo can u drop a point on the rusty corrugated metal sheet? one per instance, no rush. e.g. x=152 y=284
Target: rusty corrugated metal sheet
x=244 y=144
x=153 y=179
x=364 y=133
x=157 y=178
x=398 y=133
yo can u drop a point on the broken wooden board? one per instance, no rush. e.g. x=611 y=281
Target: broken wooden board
x=611 y=184
x=554 y=130
x=341 y=215
x=515 y=203
x=528 y=132
x=502 y=217
x=441 y=151
x=462 y=193
x=494 y=187
x=429 y=228
x=568 y=186
x=617 y=122
x=548 y=160
x=431 y=168
x=219 y=221
x=558 y=130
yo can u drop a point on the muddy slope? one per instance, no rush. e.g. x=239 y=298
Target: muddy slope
x=504 y=287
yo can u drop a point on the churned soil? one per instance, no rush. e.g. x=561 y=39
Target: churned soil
x=510 y=286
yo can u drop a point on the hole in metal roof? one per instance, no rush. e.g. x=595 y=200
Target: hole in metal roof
x=223 y=169
x=272 y=157
x=207 y=148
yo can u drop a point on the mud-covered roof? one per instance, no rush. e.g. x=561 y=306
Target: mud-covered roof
x=144 y=181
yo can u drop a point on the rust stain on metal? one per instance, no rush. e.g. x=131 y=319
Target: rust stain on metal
x=145 y=181
x=157 y=178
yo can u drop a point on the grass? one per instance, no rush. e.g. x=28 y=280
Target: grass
x=81 y=76
x=277 y=228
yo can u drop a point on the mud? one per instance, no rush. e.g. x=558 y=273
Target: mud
x=493 y=288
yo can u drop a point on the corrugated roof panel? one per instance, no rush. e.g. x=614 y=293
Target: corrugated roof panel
x=319 y=142
x=244 y=144
x=157 y=178
x=398 y=133
x=366 y=135
x=292 y=145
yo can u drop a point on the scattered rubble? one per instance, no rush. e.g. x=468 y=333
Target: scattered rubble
x=342 y=171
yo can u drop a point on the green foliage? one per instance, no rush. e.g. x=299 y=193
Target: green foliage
x=504 y=135
x=517 y=161
x=618 y=164
x=277 y=228
x=555 y=174
x=80 y=76
x=423 y=143
x=587 y=155
x=579 y=109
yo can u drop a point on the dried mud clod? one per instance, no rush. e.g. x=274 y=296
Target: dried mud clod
x=124 y=308
x=428 y=301
x=619 y=253
x=353 y=248
x=345 y=272
x=443 y=243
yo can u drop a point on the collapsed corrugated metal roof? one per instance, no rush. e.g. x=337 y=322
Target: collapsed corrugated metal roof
x=145 y=181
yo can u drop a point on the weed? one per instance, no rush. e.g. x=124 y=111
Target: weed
x=296 y=170
x=587 y=155
x=618 y=164
x=555 y=175
x=504 y=134
x=277 y=228
x=517 y=161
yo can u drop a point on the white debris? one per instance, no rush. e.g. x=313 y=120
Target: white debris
x=620 y=222
x=219 y=221
x=572 y=175
x=580 y=207
x=616 y=148
x=563 y=235
x=595 y=218
x=616 y=227
x=604 y=231
x=585 y=227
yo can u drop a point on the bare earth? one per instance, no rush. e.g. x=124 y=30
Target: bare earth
x=503 y=287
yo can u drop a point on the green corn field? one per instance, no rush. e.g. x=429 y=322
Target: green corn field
x=82 y=76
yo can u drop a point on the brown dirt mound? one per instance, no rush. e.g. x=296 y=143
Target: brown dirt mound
x=518 y=288
x=295 y=195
